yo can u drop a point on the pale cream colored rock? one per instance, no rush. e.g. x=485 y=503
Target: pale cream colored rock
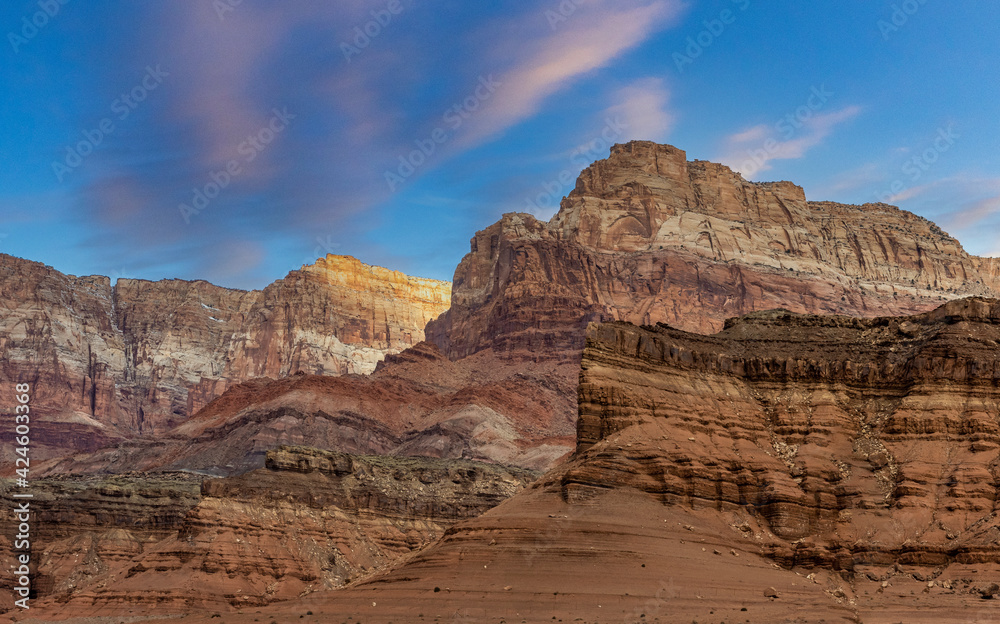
x=140 y=357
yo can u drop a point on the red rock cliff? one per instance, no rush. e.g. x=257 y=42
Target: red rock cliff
x=647 y=236
x=139 y=357
x=790 y=468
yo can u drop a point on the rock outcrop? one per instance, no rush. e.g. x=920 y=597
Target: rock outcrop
x=791 y=467
x=788 y=468
x=418 y=403
x=857 y=444
x=136 y=358
x=82 y=527
x=311 y=520
x=648 y=237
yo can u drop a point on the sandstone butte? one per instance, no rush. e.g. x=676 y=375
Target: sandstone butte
x=646 y=236
x=112 y=362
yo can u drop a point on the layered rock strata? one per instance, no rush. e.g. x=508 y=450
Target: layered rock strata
x=136 y=358
x=857 y=443
x=311 y=520
x=789 y=468
x=419 y=403
x=647 y=236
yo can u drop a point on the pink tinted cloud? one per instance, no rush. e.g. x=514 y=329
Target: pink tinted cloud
x=591 y=38
x=643 y=107
x=751 y=151
x=214 y=63
x=973 y=215
x=119 y=199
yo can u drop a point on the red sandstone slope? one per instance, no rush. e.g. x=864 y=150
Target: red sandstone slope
x=802 y=468
x=420 y=403
x=311 y=520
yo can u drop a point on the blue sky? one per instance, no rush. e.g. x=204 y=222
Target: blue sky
x=234 y=141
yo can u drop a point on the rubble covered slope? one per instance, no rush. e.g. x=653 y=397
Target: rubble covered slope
x=798 y=467
x=310 y=520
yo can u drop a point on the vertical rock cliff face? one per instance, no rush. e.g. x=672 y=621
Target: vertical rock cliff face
x=139 y=357
x=58 y=333
x=819 y=424
x=647 y=237
x=989 y=269
x=337 y=316
x=789 y=468
x=869 y=447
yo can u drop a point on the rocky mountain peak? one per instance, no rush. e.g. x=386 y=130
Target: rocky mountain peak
x=139 y=357
x=349 y=272
x=648 y=236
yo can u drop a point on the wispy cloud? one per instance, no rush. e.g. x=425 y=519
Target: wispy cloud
x=966 y=205
x=752 y=150
x=966 y=190
x=597 y=33
x=851 y=182
x=912 y=193
x=644 y=109
x=973 y=215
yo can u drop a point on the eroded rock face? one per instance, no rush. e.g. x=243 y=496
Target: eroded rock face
x=870 y=447
x=790 y=468
x=311 y=520
x=418 y=403
x=83 y=527
x=140 y=357
x=648 y=237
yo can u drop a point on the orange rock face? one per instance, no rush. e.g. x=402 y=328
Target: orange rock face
x=110 y=362
x=790 y=468
x=648 y=237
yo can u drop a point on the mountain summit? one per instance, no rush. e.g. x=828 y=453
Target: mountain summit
x=648 y=236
